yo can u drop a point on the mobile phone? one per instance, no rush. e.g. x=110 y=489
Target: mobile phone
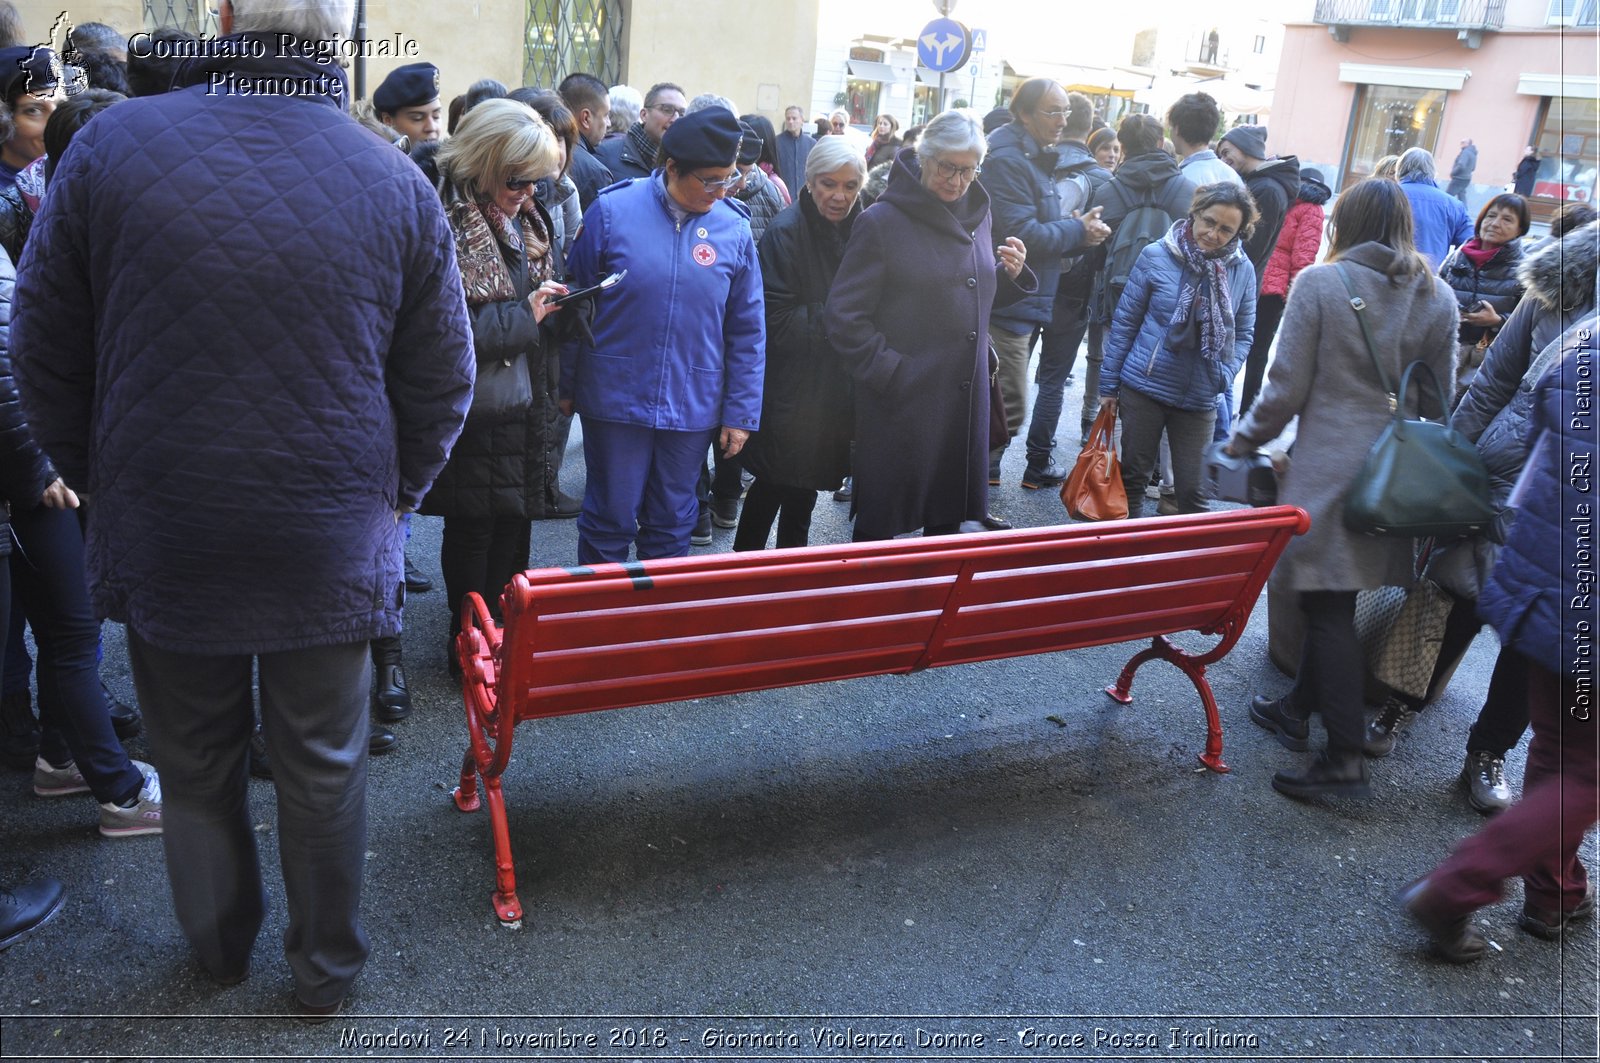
x=1475 y=306
x=609 y=282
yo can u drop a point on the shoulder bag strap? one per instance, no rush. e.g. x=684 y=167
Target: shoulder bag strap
x=1359 y=305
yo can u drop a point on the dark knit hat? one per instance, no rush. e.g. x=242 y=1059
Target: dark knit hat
x=19 y=64
x=750 y=146
x=408 y=86
x=1250 y=139
x=704 y=138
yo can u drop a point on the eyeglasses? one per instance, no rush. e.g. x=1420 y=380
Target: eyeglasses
x=1053 y=114
x=719 y=184
x=517 y=184
x=961 y=173
x=667 y=108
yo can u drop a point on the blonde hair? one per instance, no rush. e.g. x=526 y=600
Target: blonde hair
x=496 y=141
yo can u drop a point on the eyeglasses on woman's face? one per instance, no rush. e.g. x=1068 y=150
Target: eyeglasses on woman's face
x=719 y=184
x=949 y=171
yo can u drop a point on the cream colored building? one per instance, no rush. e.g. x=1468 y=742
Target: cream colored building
x=761 y=57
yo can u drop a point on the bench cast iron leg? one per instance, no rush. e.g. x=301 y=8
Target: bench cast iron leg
x=1160 y=647
x=506 y=905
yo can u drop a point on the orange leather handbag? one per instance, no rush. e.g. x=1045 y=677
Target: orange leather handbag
x=1093 y=490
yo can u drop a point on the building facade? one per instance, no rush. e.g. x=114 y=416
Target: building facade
x=760 y=58
x=1369 y=78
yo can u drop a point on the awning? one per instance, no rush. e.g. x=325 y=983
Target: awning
x=1585 y=87
x=1406 y=77
x=866 y=70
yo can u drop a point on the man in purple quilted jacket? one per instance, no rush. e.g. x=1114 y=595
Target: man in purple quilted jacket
x=237 y=302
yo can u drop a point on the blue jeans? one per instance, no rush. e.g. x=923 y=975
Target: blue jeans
x=48 y=574
x=1058 y=349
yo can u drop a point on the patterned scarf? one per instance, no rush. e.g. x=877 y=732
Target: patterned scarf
x=481 y=230
x=1205 y=305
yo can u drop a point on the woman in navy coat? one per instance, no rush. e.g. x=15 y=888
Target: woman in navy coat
x=909 y=315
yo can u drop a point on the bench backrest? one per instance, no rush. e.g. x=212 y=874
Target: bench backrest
x=577 y=640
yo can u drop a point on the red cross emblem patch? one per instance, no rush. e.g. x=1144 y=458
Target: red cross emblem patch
x=705 y=254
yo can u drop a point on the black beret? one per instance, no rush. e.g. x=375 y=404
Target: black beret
x=407 y=86
x=749 y=147
x=19 y=64
x=704 y=138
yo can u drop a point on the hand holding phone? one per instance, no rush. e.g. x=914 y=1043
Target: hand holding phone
x=583 y=293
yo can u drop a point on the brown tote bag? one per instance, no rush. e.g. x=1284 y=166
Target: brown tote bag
x=1093 y=490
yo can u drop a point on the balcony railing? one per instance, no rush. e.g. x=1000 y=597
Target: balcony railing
x=1414 y=14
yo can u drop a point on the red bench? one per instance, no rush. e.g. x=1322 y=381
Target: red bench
x=582 y=639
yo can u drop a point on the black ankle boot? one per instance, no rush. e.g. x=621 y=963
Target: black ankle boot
x=391 y=701
x=1329 y=775
x=1278 y=715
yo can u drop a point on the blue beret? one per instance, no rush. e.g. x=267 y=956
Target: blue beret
x=20 y=64
x=704 y=138
x=407 y=86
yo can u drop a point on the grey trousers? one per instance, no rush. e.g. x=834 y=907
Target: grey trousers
x=314 y=718
x=1188 y=431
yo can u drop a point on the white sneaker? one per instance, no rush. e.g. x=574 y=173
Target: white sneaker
x=143 y=817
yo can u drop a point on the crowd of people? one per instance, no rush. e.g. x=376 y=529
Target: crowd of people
x=740 y=317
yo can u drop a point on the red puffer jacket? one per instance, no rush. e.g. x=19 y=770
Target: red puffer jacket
x=1297 y=246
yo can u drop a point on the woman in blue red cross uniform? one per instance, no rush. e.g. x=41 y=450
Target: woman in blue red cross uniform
x=679 y=346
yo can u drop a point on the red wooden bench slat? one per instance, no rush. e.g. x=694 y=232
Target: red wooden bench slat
x=581 y=640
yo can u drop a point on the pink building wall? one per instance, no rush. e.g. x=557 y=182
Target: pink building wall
x=1312 y=109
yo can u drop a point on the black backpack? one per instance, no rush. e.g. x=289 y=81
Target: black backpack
x=1142 y=226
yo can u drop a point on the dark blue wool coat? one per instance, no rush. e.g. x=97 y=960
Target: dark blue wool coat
x=241 y=332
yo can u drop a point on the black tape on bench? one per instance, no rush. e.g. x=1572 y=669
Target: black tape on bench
x=636 y=572
x=579 y=570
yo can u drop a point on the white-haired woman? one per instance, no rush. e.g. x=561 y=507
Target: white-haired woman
x=806 y=417
x=494 y=483
x=909 y=315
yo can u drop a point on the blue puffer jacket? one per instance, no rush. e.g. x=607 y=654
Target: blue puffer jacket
x=241 y=331
x=1023 y=202
x=1136 y=351
x=1540 y=598
x=681 y=343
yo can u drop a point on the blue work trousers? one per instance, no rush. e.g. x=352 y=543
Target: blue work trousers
x=640 y=488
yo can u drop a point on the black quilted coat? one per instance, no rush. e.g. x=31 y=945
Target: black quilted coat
x=24 y=470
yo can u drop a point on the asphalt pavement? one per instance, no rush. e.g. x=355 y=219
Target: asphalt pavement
x=992 y=861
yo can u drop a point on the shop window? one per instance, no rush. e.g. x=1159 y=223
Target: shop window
x=1568 y=144
x=1388 y=120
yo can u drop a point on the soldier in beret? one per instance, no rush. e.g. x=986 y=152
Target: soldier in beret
x=408 y=102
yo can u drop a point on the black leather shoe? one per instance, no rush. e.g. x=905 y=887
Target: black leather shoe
x=1453 y=939
x=1036 y=477
x=725 y=512
x=27 y=908
x=1292 y=732
x=1327 y=776
x=701 y=536
x=19 y=731
x=382 y=741
x=1551 y=923
x=392 y=701
x=994 y=523
x=417 y=581
x=562 y=507
x=125 y=719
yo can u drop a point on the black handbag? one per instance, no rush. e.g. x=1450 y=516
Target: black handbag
x=1421 y=477
x=503 y=390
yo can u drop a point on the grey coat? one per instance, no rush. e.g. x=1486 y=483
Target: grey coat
x=1324 y=374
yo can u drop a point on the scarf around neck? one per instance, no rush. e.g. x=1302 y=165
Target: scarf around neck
x=482 y=230
x=1205 y=304
x=1479 y=255
x=642 y=143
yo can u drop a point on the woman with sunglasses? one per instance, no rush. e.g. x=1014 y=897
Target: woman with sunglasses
x=493 y=485
x=908 y=314
x=678 y=348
